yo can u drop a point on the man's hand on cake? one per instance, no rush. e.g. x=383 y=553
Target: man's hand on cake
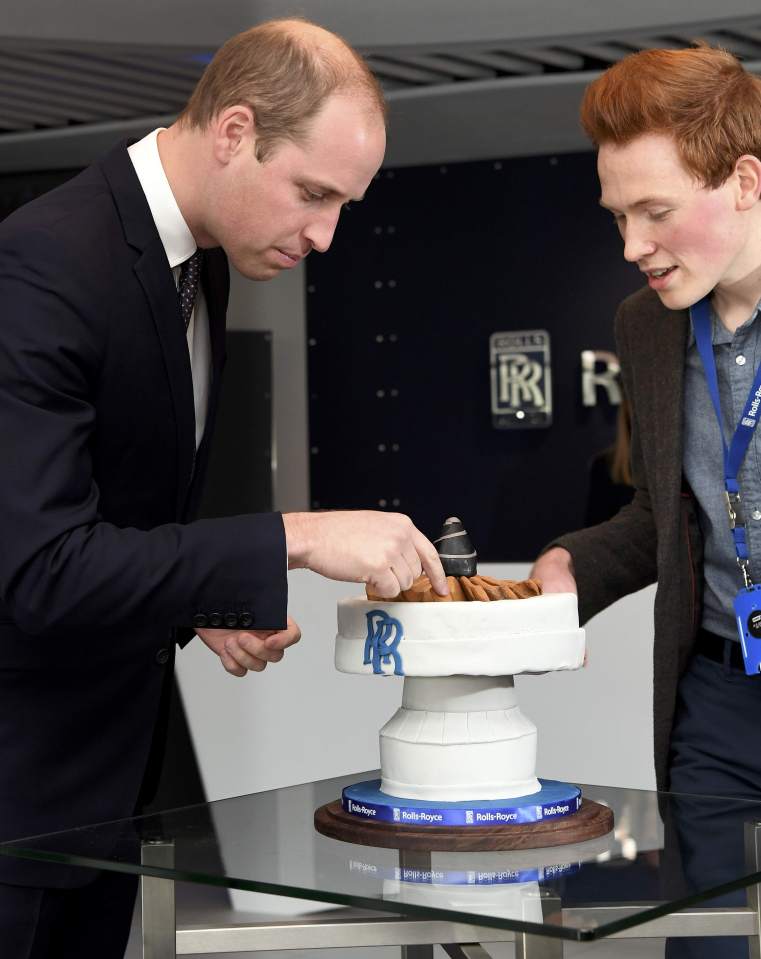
x=384 y=550
x=554 y=569
x=247 y=650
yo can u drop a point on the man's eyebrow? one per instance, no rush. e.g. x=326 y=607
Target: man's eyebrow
x=332 y=191
x=645 y=201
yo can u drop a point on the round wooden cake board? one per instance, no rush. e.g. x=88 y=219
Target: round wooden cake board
x=592 y=820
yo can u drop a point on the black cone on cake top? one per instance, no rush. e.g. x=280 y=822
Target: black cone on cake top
x=456 y=550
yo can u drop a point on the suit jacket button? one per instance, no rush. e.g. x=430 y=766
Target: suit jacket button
x=231 y=620
x=215 y=619
x=162 y=657
x=245 y=620
x=200 y=620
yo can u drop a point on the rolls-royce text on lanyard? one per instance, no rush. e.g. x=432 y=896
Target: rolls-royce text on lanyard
x=748 y=600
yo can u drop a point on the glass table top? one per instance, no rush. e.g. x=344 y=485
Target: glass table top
x=666 y=852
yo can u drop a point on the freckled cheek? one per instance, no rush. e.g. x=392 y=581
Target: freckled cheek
x=703 y=240
x=714 y=231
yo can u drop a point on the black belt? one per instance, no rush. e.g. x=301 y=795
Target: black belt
x=712 y=646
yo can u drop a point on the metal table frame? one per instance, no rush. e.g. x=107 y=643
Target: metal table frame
x=162 y=939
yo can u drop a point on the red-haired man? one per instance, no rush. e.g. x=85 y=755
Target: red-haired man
x=679 y=139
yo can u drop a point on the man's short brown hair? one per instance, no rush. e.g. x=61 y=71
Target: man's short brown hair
x=702 y=97
x=284 y=70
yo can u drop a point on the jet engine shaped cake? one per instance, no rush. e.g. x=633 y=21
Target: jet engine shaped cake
x=459 y=737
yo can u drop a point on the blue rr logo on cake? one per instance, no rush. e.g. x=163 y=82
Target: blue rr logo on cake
x=384 y=633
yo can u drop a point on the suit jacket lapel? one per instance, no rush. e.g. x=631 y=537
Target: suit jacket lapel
x=670 y=336
x=155 y=276
x=215 y=279
x=215 y=282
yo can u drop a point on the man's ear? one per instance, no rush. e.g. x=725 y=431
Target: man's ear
x=748 y=177
x=234 y=130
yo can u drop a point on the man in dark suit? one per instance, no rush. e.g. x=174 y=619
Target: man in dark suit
x=113 y=291
x=679 y=137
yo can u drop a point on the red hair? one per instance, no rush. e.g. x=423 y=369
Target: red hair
x=702 y=97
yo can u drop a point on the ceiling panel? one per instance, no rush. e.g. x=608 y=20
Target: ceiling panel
x=57 y=89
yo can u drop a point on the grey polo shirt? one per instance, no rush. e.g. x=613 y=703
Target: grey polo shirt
x=737 y=356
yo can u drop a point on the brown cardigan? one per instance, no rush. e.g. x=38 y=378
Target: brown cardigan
x=657 y=537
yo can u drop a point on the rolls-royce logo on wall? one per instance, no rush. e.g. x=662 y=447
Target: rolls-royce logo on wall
x=521 y=382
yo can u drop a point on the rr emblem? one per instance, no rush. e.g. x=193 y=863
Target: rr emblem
x=384 y=633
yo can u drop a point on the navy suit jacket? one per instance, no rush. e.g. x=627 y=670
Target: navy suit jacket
x=101 y=567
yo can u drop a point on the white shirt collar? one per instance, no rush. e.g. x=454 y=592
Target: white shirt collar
x=174 y=232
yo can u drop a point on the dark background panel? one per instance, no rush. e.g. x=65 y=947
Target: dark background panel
x=422 y=272
x=16 y=189
x=239 y=479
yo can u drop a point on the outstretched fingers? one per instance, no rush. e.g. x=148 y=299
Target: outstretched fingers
x=430 y=562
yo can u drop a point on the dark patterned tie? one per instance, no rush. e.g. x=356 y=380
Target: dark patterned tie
x=190 y=276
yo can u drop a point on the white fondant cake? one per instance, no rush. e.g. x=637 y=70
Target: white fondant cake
x=499 y=638
x=457 y=738
x=459 y=734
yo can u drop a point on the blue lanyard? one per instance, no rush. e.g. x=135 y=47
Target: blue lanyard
x=734 y=454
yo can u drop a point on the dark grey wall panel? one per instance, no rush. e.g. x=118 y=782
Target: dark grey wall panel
x=240 y=469
x=433 y=262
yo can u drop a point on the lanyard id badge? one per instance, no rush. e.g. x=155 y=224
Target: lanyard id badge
x=747 y=603
x=748 y=618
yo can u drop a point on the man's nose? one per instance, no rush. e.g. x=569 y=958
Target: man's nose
x=319 y=232
x=637 y=245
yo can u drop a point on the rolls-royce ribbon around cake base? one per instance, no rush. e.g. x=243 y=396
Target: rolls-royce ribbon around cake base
x=552 y=800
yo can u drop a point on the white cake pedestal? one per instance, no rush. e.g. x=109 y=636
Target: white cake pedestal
x=456 y=738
